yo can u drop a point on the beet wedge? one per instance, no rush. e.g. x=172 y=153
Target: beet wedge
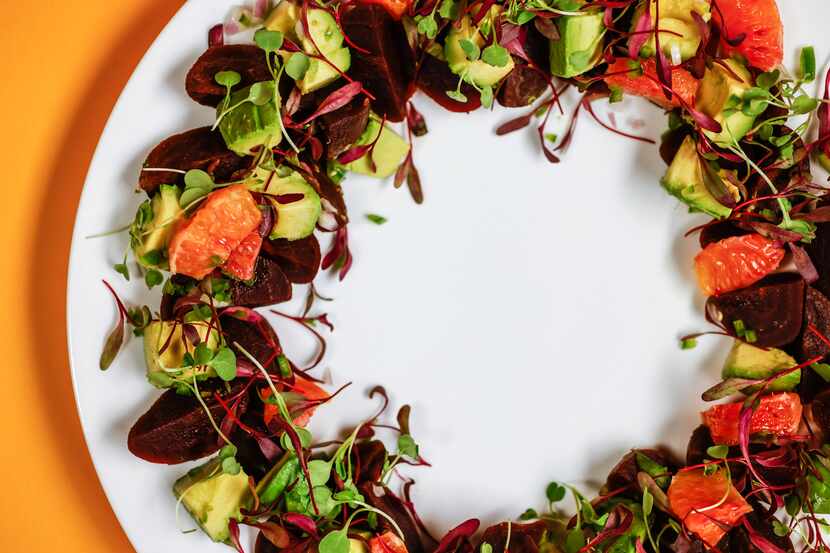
x=195 y=149
x=522 y=86
x=298 y=259
x=341 y=128
x=177 y=429
x=270 y=286
x=245 y=59
x=435 y=79
x=772 y=309
x=257 y=337
x=386 y=70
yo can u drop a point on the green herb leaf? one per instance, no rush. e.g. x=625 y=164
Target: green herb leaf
x=297 y=65
x=202 y=354
x=470 y=48
x=456 y=95
x=767 y=80
x=525 y=17
x=487 y=96
x=228 y=79
x=808 y=64
x=718 y=451
x=319 y=471
x=555 y=492
x=112 y=345
x=804 y=104
x=196 y=178
x=486 y=548
x=648 y=502
x=376 y=219
x=496 y=55
x=688 y=343
x=227 y=451
x=270 y=41
x=427 y=26
x=529 y=514
x=122 y=269
x=152 y=278
x=334 y=542
x=407 y=446
x=224 y=363
x=261 y=93
x=230 y=466
x=448 y=9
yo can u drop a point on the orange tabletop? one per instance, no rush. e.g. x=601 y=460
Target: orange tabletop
x=62 y=66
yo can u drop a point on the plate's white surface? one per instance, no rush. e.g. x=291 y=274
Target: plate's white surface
x=528 y=312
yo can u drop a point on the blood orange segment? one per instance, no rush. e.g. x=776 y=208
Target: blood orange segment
x=759 y=23
x=645 y=84
x=205 y=240
x=242 y=260
x=396 y=8
x=308 y=390
x=735 y=263
x=388 y=542
x=777 y=415
x=707 y=505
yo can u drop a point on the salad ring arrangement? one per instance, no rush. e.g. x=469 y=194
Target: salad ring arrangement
x=304 y=92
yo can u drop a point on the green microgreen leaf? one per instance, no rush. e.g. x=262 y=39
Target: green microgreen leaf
x=270 y=41
x=718 y=451
x=261 y=93
x=529 y=514
x=336 y=541
x=688 y=343
x=197 y=184
x=152 y=278
x=122 y=269
x=648 y=503
x=456 y=95
x=224 y=363
x=768 y=80
x=448 y=9
x=202 y=354
x=297 y=65
x=496 y=55
x=808 y=64
x=407 y=446
x=227 y=451
x=231 y=466
x=555 y=492
x=804 y=104
x=228 y=79
x=823 y=370
x=428 y=26
x=486 y=548
x=470 y=48
x=376 y=219
x=487 y=96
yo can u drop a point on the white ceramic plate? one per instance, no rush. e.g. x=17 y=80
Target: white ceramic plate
x=529 y=312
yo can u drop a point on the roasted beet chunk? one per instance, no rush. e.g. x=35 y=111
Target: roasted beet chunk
x=819 y=251
x=771 y=309
x=177 y=429
x=341 y=128
x=524 y=538
x=435 y=79
x=699 y=442
x=387 y=70
x=247 y=60
x=257 y=337
x=298 y=259
x=522 y=86
x=270 y=286
x=196 y=149
x=816 y=319
x=820 y=407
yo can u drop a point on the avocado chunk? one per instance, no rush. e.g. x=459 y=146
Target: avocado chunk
x=297 y=204
x=164 y=349
x=325 y=39
x=679 y=33
x=579 y=47
x=153 y=225
x=249 y=125
x=387 y=155
x=477 y=72
x=719 y=96
x=684 y=180
x=213 y=497
x=748 y=361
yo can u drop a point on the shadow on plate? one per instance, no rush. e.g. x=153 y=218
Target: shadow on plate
x=56 y=216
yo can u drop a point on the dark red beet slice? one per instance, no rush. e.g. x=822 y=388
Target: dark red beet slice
x=245 y=59
x=699 y=442
x=524 y=538
x=328 y=190
x=522 y=86
x=177 y=429
x=817 y=314
x=298 y=259
x=624 y=474
x=718 y=231
x=738 y=540
x=270 y=286
x=394 y=507
x=773 y=308
x=386 y=71
x=262 y=545
x=195 y=149
x=341 y=128
x=819 y=251
x=259 y=340
x=820 y=407
x=435 y=79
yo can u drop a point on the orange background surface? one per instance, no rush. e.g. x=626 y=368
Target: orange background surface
x=62 y=65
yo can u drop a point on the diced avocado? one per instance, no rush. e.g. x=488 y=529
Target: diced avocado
x=477 y=72
x=684 y=180
x=579 y=47
x=678 y=30
x=357 y=546
x=153 y=226
x=297 y=205
x=213 y=497
x=248 y=125
x=327 y=41
x=167 y=336
x=721 y=90
x=748 y=361
x=321 y=72
x=387 y=155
